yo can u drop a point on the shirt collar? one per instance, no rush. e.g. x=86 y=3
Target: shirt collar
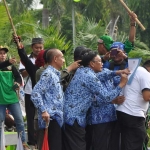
x=88 y=69
x=54 y=70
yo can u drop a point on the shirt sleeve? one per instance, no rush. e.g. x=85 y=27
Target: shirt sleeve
x=100 y=92
x=106 y=74
x=144 y=82
x=5 y=64
x=39 y=90
x=128 y=46
x=29 y=66
x=16 y=75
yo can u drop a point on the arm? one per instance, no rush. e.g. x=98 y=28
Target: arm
x=39 y=90
x=102 y=94
x=146 y=94
x=16 y=75
x=132 y=27
x=145 y=86
x=106 y=74
x=68 y=73
x=29 y=66
x=5 y=64
x=129 y=44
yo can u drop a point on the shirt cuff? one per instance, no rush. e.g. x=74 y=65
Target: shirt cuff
x=119 y=88
x=42 y=108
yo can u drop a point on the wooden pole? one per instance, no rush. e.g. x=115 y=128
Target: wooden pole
x=11 y=22
x=129 y=11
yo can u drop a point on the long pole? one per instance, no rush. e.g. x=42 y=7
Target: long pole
x=129 y=11
x=11 y=22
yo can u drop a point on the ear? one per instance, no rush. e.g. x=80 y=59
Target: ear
x=55 y=58
x=91 y=64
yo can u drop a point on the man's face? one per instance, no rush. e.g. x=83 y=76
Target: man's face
x=3 y=55
x=119 y=57
x=97 y=64
x=36 y=48
x=59 y=59
x=101 y=49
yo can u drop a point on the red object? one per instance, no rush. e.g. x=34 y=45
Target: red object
x=40 y=60
x=45 y=145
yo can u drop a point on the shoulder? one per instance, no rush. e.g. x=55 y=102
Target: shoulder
x=143 y=74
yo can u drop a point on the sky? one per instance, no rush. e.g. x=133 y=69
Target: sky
x=37 y=5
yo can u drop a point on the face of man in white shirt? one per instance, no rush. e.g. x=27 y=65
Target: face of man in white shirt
x=36 y=48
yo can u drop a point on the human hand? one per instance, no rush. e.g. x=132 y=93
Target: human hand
x=46 y=117
x=106 y=56
x=118 y=100
x=12 y=60
x=16 y=39
x=124 y=80
x=125 y=71
x=121 y=54
x=74 y=66
x=16 y=86
x=133 y=16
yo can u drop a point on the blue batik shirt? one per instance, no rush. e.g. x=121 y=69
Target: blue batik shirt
x=103 y=112
x=83 y=88
x=47 y=95
x=116 y=79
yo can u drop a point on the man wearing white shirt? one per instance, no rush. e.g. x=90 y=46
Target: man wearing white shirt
x=132 y=113
x=37 y=46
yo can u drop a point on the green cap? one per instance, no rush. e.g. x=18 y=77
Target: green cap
x=107 y=41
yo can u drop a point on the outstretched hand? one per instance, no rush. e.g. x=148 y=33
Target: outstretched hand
x=12 y=60
x=16 y=39
x=133 y=16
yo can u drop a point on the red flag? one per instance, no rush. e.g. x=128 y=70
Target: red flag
x=45 y=145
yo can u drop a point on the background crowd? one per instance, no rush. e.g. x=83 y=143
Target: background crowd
x=86 y=106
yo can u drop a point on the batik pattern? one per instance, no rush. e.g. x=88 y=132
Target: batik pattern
x=83 y=88
x=47 y=95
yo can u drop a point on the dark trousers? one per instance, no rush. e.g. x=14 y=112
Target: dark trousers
x=101 y=135
x=74 y=137
x=133 y=132
x=88 y=137
x=115 y=137
x=54 y=136
x=30 y=111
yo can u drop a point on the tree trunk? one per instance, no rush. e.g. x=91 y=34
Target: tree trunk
x=45 y=18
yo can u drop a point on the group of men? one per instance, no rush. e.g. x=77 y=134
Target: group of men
x=86 y=106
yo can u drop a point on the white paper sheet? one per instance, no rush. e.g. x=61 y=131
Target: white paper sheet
x=133 y=64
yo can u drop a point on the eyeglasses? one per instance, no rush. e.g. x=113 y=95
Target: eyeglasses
x=97 y=61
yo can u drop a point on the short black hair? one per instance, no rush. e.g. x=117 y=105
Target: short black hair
x=87 y=56
x=78 y=50
x=146 y=63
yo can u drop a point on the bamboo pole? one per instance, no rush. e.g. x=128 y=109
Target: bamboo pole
x=129 y=11
x=11 y=22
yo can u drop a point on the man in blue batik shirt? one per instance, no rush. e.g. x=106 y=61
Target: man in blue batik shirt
x=78 y=98
x=47 y=97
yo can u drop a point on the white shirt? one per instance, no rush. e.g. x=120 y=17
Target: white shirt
x=134 y=103
x=27 y=80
